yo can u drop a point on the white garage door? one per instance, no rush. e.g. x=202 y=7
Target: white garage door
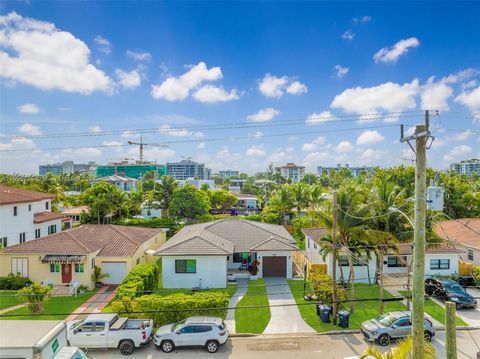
x=116 y=270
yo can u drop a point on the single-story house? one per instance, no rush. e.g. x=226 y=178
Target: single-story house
x=75 y=213
x=124 y=183
x=151 y=210
x=206 y=254
x=463 y=234
x=439 y=260
x=72 y=254
x=246 y=201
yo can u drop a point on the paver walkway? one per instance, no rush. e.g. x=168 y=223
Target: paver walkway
x=95 y=304
x=242 y=285
x=9 y=309
x=283 y=319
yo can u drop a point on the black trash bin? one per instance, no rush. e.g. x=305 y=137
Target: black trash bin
x=343 y=318
x=325 y=312
x=319 y=306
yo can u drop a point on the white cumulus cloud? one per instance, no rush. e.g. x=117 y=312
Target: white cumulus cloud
x=457 y=153
x=256 y=151
x=128 y=79
x=341 y=71
x=29 y=109
x=38 y=54
x=308 y=147
x=139 y=56
x=29 y=129
x=103 y=44
x=435 y=95
x=179 y=132
x=297 y=88
x=273 y=86
x=213 y=94
x=348 y=35
x=343 y=147
x=318 y=118
x=471 y=100
x=263 y=115
x=391 y=54
x=369 y=137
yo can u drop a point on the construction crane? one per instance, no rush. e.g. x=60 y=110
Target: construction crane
x=141 y=144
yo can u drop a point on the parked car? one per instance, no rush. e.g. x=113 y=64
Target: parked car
x=110 y=331
x=207 y=332
x=468 y=281
x=393 y=325
x=449 y=290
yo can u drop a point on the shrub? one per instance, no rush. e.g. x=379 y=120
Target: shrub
x=323 y=287
x=141 y=279
x=13 y=282
x=476 y=273
x=174 y=307
x=35 y=295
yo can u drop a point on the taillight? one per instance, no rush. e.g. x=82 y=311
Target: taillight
x=144 y=333
x=222 y=333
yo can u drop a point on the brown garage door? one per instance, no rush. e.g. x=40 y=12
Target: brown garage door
x=274 y=266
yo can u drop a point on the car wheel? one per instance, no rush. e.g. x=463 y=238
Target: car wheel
x=427 y=336
x=212 y=346
x=384 y=340
x=126 y=347
x=167 y=346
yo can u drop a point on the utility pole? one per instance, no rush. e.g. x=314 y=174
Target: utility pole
x=450 y=331
x=421 y=137
x=334 y=260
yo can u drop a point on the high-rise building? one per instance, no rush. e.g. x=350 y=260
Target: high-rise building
x=355 y=171
x=228 y=173
x=291 y=172
x=66 y=167
x=132 y=170
x=467 y=167
x=187 y=169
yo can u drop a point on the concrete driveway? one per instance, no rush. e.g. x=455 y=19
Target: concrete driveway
x=283 y=319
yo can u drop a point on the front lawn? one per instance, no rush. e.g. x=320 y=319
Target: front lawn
x=8 y=298
x=436 y=311
x=57 y=308
x=253 y=320
x=364 y=310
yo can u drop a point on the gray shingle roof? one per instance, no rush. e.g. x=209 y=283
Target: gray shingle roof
x=226 y=237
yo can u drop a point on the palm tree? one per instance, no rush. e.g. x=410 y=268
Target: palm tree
x=300 y=196
x=282 y=201
x=350 y=228
x=165 y=193
x=401 y=351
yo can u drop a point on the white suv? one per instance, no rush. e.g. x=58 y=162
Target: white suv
x=208 y=332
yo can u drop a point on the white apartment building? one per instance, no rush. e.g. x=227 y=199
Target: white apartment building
x=467 y=167
x=291 y=171
x=26 y=215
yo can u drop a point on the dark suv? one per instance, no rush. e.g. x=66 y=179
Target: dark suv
x=448 y=290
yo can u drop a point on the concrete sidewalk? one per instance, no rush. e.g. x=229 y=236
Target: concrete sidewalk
x=9 y=309
x=237 y=297
x=95 y=304
x=283 y=319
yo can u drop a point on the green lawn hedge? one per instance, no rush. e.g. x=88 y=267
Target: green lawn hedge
x=141 y=280
x=174 y=307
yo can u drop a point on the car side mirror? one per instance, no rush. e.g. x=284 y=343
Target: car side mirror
x=76 y=331
x=178 y=333
x=394 y=326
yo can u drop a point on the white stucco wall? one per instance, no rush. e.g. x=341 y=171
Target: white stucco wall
x=211 y=272
x=287 y=254
x=151 y=213
x=361 y=272
x=464 y=256
x=311 y=252
x=453 y=264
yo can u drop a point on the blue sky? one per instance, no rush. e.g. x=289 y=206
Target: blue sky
x=292 y=81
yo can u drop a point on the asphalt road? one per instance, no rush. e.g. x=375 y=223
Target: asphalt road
x=296 y=346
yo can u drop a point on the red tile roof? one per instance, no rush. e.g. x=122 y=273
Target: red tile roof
x=109 y=240
x=46 y=216
x=465 y=231
x=11 y=195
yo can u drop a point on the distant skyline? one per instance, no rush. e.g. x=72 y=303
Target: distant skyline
x=237 y=85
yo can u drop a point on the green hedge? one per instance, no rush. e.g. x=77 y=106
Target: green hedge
x=141 y=280
x=13 y=282
x=177 y=306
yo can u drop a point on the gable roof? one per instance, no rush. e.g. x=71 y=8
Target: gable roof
x=463 y=231
x=115 y=178
x=227 y=236
x=407 y=249
x=315 y=234
x=12 y=195
x=108 y=239
x=41 y=217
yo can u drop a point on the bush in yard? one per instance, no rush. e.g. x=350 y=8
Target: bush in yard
x=142 y=279
x=323 y=287
x=174 y=307
x=13 y=282
x=476 y=273
x=35 y=295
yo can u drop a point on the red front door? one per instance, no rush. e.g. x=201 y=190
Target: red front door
x=66 y=273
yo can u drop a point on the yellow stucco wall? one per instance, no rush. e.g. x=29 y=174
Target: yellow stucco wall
x=39 y=272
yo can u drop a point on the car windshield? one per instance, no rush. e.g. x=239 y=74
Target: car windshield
x=455 y=288
x=77 y=324
x=176 y=327
x=387 y=320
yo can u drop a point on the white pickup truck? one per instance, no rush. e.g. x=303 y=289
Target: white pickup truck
x=110 y=331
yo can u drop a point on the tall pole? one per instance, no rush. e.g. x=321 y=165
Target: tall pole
x=421 y=136
x=334 y=260
x=450 y=335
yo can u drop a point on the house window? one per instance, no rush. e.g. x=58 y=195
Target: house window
x=470 y=255
x=4 y=241
x=52 y=229
x=15 y=210
x=308 y=243
x=78 y=267
x=357 y=262
x=396 y=261
x=20 y=265
x=314 y=246
x=29 y=207
x=239 y=257
x=93 y=264
x=185 y=266
x=37 y=233
x=439 y=263
x=46 y=205
x=22 y=237
x=54 y=268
